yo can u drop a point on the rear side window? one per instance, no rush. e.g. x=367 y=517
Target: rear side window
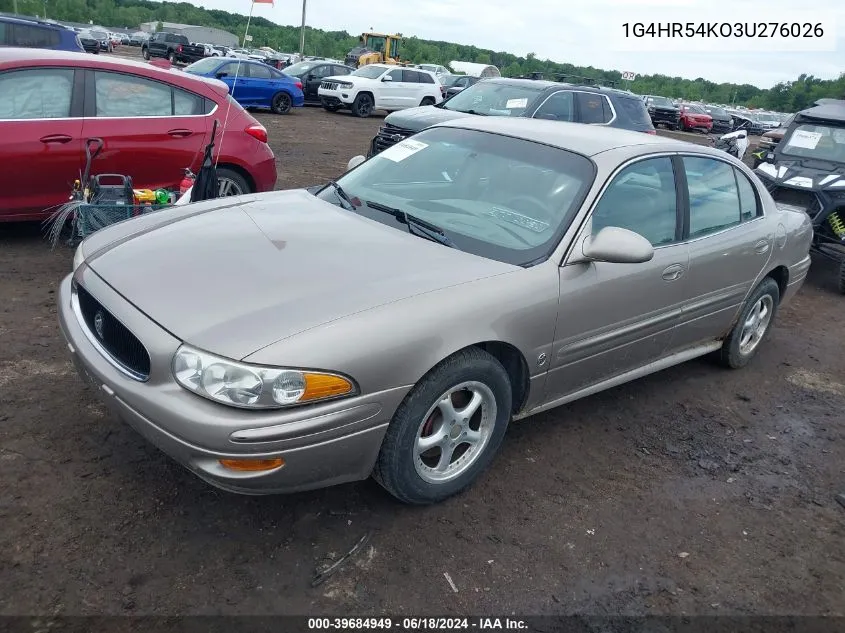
x=411 y=77
x=713 y=195
x=125 y=96
x=3 y=31
x=260 y=71
x=634 y=110
x=749 y=206
x=32 y=36
x=593 y=108
x=425 y=78
x=43 y=93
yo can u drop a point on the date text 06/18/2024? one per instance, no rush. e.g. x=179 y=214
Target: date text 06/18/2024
x=416 y=624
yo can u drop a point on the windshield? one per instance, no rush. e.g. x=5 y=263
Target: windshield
x=299 y=69
x=498 y=99
x=765 y=117
x=204 y=66
x=369 y=72
x=719 y=112
x=663 y=102
x=498 y=197
x=694 y=109
x=100 y=35
x=822 y=142
x=449 y=80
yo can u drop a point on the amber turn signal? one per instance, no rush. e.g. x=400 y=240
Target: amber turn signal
x=319 y=386
x=252 y=465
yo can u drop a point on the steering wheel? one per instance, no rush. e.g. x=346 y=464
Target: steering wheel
x=526 y=205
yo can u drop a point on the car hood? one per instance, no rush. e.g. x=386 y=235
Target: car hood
x=235 y=278
x=417 y=119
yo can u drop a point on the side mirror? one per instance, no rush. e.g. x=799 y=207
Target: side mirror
x=618 y=246
x=387 y=78
x=354 y=162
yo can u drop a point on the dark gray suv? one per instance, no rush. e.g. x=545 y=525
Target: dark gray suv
x=526 y=98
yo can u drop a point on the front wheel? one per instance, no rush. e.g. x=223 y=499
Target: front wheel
x=753 y=325
x=427 y=101
x=842 y=277
x=282 y=103
x=447 y=430
x=363 y=106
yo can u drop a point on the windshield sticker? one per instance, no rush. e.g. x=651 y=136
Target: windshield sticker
x=805 y=140
x=516 y=103
x=537 y=226
x=401 y=151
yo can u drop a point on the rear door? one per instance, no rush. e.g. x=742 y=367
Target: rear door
x=41 y=150
x=263 y=84
x=152 y=130
x=730 y=243
x=593 y=108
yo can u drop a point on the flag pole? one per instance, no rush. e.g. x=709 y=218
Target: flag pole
x=248 y=20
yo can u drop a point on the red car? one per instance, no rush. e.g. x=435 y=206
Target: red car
x=155 y=123
x=694 y=117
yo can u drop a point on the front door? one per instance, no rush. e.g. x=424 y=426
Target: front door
x=312 y=79
x=730 y=244
x=42 y=151
x=616 y=317
x=392 y=92
x=152 y=131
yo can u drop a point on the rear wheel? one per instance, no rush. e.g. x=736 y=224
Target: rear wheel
x=172 y=58
x=842 y=277
x=447 y=430
x=427 y=101
x=363 y=105
x=231 y=183
x=144 y=53
x=282 y=103
x=753 y=325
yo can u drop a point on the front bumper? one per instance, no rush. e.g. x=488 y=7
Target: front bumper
x=322 y=445
x=721 y=127
x=339 y=96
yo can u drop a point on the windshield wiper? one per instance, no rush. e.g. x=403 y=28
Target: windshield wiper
x=471 y=111
x=416 y=226
x=344 y=198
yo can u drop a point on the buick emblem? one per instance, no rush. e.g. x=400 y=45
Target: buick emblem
x=99 y=318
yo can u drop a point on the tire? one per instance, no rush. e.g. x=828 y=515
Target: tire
x=172 y=57
x=282 y=103
x=363 y=105
x=413 y=478
x=738 y=350
x=234 y=183
x=427 y=101
x=842 y=277
x=145 y=53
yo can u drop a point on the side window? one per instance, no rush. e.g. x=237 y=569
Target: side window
x=260 y=71
x=33 y=36
x=127 y=96
x=234 y=70
x=396 y=75
x=558 y=107
x=593 y=108
x=641 y=198
x=3 y=31
x=713 y=195
x=340 y=70
x=43 y=93
x=187 y=104
x=749 y=207
x=321 y=71
x=425 y=78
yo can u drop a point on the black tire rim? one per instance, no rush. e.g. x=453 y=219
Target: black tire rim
x=281 y=103
x=366 y=105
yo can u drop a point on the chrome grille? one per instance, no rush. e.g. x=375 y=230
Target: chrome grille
x=388 y=135
x=329 y=85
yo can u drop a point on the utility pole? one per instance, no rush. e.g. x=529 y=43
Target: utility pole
x=302 y=32
x=15 y=6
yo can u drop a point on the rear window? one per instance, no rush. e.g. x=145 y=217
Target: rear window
x=31 y=36
x=634 y=110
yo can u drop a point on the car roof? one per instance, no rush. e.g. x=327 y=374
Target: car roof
x=826 y=109
x=545 y=84
x=580 y=138
x=31 y=21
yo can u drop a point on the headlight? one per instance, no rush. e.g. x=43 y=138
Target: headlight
x=345 y=85
x=78 y=258
x=252 y=386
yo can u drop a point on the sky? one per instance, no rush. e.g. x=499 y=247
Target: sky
x=590 y=32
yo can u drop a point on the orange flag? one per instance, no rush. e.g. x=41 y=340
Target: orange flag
x=263 y=2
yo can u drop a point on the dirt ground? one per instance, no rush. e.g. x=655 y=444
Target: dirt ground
x=694 y=491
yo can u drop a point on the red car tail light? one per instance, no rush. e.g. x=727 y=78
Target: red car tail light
x=258 y=132
x=179 y=48
x=298 y=84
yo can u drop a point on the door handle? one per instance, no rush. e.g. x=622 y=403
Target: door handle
x=56 y=138
x=761 y=247
x=673 y=272
x=180 y=133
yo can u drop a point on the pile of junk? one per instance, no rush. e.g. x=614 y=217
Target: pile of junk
x=98 y=200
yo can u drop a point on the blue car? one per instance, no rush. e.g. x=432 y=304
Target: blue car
x=252 y=84
x=34 y=33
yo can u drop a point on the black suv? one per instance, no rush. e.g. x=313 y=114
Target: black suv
x=527 y=98
x=663 y=111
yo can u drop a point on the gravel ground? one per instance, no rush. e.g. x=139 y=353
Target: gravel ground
x=694 y=491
